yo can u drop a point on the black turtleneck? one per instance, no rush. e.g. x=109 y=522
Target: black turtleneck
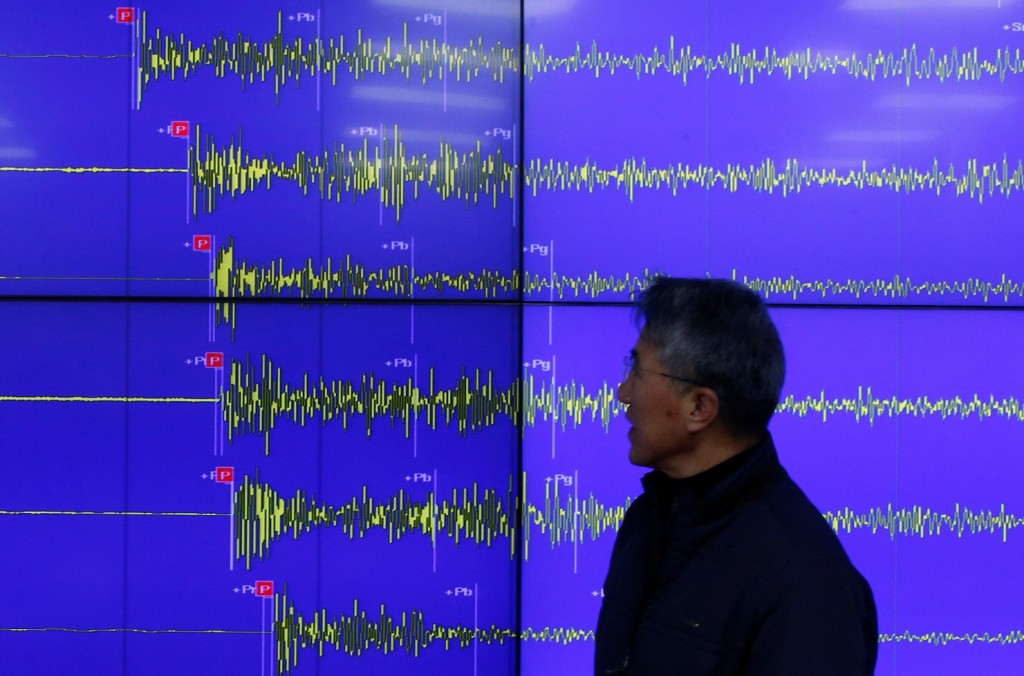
x=681 y=496
x=731 y=571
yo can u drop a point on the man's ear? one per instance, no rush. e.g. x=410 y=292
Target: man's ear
x=701 y=408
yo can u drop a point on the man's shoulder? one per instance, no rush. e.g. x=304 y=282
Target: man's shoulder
x=788 y=528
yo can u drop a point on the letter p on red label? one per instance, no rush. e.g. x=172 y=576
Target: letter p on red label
x=224 y=475
x=202 y=242
x=125 y=15
x=264 y=588
x=179 y=129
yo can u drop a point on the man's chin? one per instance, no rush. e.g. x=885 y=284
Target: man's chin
x=636 y=456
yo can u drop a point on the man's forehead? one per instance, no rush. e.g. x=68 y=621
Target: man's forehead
x=644 y=347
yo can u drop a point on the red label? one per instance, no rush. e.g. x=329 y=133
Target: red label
x=264 y=588
x=179 y=129
x=125 y=14
x=202 y=242
x=224 y=475
x=214 y=360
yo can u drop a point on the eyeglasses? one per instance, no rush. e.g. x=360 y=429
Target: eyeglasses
x=630 y=367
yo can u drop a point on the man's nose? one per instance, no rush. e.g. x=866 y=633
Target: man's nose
x=624 y=391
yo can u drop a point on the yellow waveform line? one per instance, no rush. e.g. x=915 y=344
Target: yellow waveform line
x=124 y=630
x=234 y=277
x=41 y=512
x=239 y=278
x=350 y=279
x=28 y=278
x=94 y=170
x=346 y=278
x=560 y=635
x=360 y=631
x=920 y=521
x=482 y=516
x=107 y=399
x=65 y=56
x=976 y=180
x=592 y=285
x=942 y=638
x=387 y=171
x=256 y=400
x=282 y=60
x=912 y=64
x=867 y=406
x=898 y=286
x=254 y=404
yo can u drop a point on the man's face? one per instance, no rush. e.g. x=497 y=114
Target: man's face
x=658 y=434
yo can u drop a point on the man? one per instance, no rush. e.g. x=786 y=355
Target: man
x=722 y=565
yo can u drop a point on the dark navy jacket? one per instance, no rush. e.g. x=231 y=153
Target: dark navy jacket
x=733 y=571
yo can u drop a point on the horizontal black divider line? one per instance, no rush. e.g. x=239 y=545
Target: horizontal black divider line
x=457 y=302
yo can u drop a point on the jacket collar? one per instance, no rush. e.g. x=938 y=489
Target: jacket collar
x=717 y=490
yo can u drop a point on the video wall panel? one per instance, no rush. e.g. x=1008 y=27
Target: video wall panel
x=313 y=316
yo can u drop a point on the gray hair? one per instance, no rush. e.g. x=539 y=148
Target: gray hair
x=718 y=333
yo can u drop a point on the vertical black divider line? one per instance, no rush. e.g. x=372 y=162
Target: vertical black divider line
x=520 y=185
x=899 y=356
x=127 y=352
x=320 y=343
x=127 y=484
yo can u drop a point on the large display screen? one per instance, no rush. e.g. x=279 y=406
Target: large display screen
x=313 y=315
